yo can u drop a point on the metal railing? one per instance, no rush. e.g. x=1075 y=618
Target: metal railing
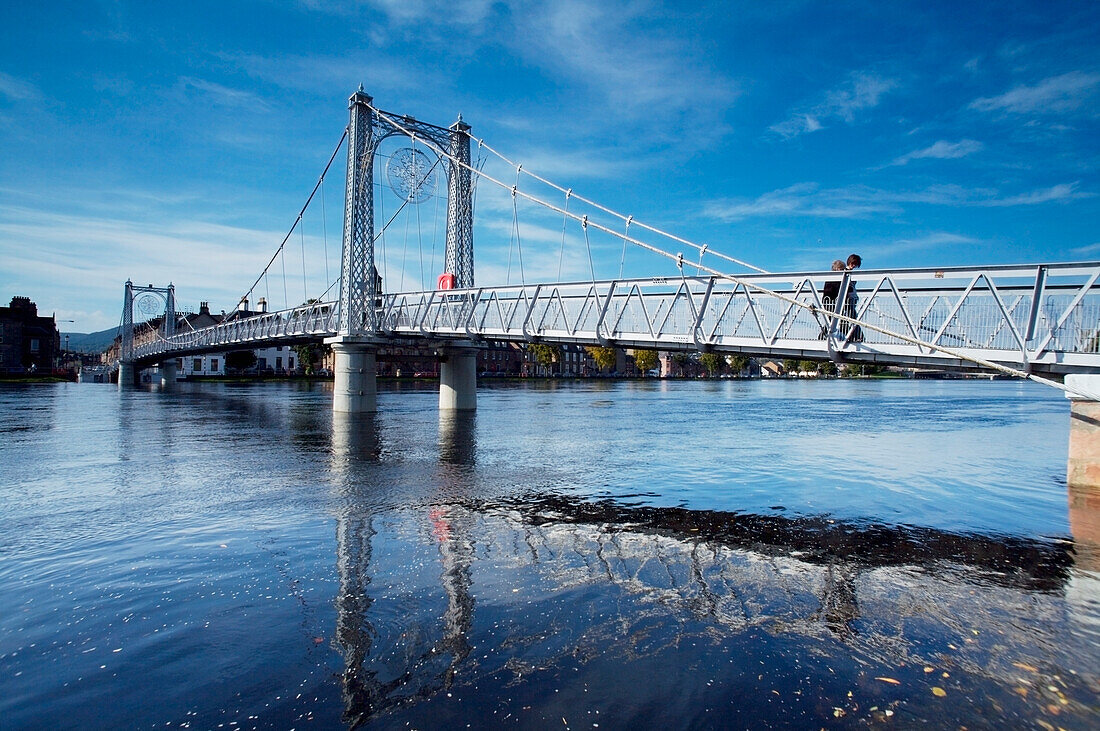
x=1043 y=318
x=307 y=322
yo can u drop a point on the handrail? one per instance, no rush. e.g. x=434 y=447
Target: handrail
x=1042 y=317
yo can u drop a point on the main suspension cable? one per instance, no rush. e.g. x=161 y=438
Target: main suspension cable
x=626 y=219
x=298 y=220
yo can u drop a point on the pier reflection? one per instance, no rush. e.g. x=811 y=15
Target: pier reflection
x=418 y=665
x=458 y=437
x=356 y=442
x=537 y=581
x=1084 y=524
x=453 y=529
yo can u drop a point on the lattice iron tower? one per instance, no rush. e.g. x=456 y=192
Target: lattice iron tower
x=357 y=259
x=460 y=208
x=367 y=128
x=148 y=301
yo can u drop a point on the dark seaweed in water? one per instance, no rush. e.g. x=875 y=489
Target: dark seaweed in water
x=1034 y=565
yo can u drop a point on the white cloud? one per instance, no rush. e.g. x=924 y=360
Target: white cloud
x=410 y=12
x=860 y=92
x=1089 y=250
x=310 y=73
x=570 y=165
x=224 y=95
x=1055 y=193
x=803 y=199
x=811 y=258
x=927 y=241
x=625 y=54
x=807 y=199
x=467 y=12
x=796 y=125
x=942 y=150
x=16 y=89
x=1055 y=94
x=45 y=251
x=632 y=62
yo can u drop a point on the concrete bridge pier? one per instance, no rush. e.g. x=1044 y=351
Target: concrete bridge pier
x=1083 y=464
x=168 y=373
x=1083 y=470
x=457 y=378
x=355 y=390
x=127 y=375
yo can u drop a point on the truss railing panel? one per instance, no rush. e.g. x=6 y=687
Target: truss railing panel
x=1034 y=318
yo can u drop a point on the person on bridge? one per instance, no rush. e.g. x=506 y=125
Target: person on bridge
x=855 y=261
x=831 y=290
x=829 y=295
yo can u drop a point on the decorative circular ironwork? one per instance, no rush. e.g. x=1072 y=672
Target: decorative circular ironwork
x=411 y=175
x=149 y=304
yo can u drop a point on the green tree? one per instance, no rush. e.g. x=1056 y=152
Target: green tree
x=645 y=360
x=737 y=363
x=545 y=355
x=826 y=368
x=305 y=353
x=604 y=356
x=682 y=360
x=807 y=366
x=712 y=362
x=790 y=365
x=310 y=353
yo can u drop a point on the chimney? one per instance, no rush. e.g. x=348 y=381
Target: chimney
x=204 y=308
x=243 y=306
x=262 y=304
x=24 y=304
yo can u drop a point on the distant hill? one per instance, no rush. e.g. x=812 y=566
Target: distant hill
x=90 y=342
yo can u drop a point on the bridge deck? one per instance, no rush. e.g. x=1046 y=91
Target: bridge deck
x=1043 y=319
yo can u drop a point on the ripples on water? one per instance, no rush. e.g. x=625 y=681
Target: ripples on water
x=660 y=554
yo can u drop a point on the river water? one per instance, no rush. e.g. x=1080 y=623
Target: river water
x=596 y=554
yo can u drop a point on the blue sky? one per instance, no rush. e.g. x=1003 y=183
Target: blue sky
x=176 y=141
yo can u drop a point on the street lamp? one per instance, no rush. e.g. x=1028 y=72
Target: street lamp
x=66 y=350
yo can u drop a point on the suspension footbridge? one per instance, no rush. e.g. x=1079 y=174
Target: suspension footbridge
x=1038 y=321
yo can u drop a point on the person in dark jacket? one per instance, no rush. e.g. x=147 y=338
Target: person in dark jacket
x=831 y=290
x=850 y=302
x=829 y=295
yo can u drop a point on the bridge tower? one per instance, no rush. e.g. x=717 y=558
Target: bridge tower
x=356 y=340
x=147 y=299
x=460 y=208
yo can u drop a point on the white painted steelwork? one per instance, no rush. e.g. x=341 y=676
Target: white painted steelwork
x=1039 y=319
x=307 y=323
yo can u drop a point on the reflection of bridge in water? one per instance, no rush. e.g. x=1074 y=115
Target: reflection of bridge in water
x=637 y=580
